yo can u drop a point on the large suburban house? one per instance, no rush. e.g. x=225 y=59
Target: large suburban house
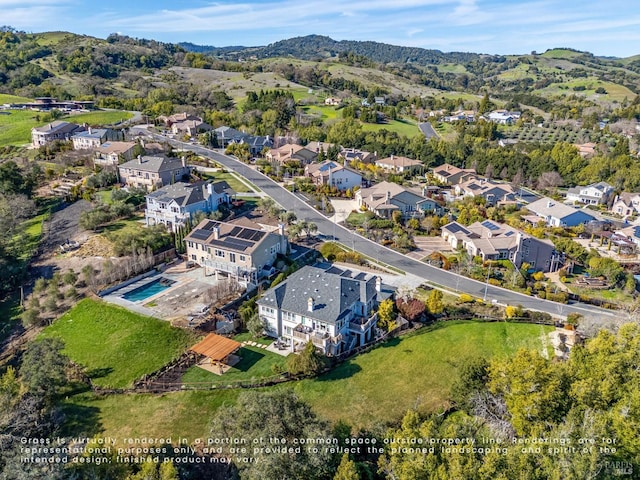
x=333 y=174
x=53 y=131
x=153 y=172
x=109 y=154
x=227 y=135
x=172 y=205
x=452 y=175
x=291 y=153
x=190 y=127
x=233 y=250
x=386 y=197
x=557 y=214
x=494 y=241
x=94 y=137
x=397 y=164
x=349 y=155
x=626 y=204
x=492 y=192
x=594 y=194
x=334 y=309
x=169 y=120
x=503 y=117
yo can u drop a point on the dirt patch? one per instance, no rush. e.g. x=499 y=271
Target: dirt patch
x=95 y=246
x=64 y=225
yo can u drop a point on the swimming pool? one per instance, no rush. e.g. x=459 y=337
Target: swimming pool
x=148 y=290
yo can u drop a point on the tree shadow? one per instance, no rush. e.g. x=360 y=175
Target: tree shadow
x=342 y=371
x=79 y=420
x=248 y=358
x=99 y=372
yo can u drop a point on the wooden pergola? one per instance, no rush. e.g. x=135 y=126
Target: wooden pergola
x=217 y=349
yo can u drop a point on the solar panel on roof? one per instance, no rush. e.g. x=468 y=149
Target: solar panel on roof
x=234 y=231
x=508 y=234
x=489 y=225
x=210 y=224
x=237 y=244
x=200 y=234
x=257 y=235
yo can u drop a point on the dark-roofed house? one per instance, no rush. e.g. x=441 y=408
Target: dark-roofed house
x=386 y=197
x=557 y=214
x=226 y=135
x=94 y=137
x=336 y=311
x=153 y=172
x=57 y=130
x=173 y=205
x=233 y=250
x=495 y=241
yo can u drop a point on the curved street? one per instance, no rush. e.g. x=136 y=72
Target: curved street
x=432 y=275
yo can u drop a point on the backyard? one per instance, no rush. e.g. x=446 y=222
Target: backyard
x=416 y=371
x=115 y=345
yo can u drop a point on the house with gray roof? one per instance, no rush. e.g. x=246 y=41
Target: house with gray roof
x=495 y=241
x=593 y=194
x=334 y=309
x=558 y=214
x=386 y=197
x=172 y=205
x=53 y=131
x=151 y=172
x=94 y=137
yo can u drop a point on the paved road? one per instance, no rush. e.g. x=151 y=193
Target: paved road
x=427 y=130
x=433 y=275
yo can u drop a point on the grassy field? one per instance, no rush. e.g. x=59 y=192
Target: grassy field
x=378 y=386
x=6 y=98
x=228 y=177
x=180 y=414
x=99 y=117
x=9 y=314
x=115 y=345
x=415 y=371
x=255 y=363
x=405 y=127
x=15 y=127
x=324 y=112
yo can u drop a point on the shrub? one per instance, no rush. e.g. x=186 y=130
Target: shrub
x=465 y=298
x=538 y=276
x=40 y=285
x=513 y=312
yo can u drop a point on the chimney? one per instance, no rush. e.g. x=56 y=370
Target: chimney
x=139 y=159
x=291 y=151
x=378 y=284
x=281 y=229
x=392 y=157
x=388 y=196
x=216 y=232
x=184 y=161
x=549 y=204
x=209 y=189
x=310 y=304
x=89 y=130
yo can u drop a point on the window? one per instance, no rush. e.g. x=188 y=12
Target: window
x=219 y=253
x=232 y=257
x=193 y=257
x=190 y=244
x=243 y=258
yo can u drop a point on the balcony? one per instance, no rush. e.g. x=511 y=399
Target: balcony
x=362 y=324
x=231 y=268
x=320 y=339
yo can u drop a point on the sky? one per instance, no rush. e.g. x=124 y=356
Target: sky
x=602 y=27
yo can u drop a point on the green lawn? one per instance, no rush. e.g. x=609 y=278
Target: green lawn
x=180 y=414
x=6 y=98
x=15 y=128
x=408 y=128
x=16 y=125
x=9 y=314
x=100 y=117
x=378 y=386
x=415 y=371
x=31 y=234
x=255 y=363
x=115 y=345
x=230 y=178
x=325 y=112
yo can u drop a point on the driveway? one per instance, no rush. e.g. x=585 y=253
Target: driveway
x=342 y=209
x=427 y=245
x=435 y=276
x=427 y=130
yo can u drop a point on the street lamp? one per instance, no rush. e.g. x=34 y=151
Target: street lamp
x=486 y=285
